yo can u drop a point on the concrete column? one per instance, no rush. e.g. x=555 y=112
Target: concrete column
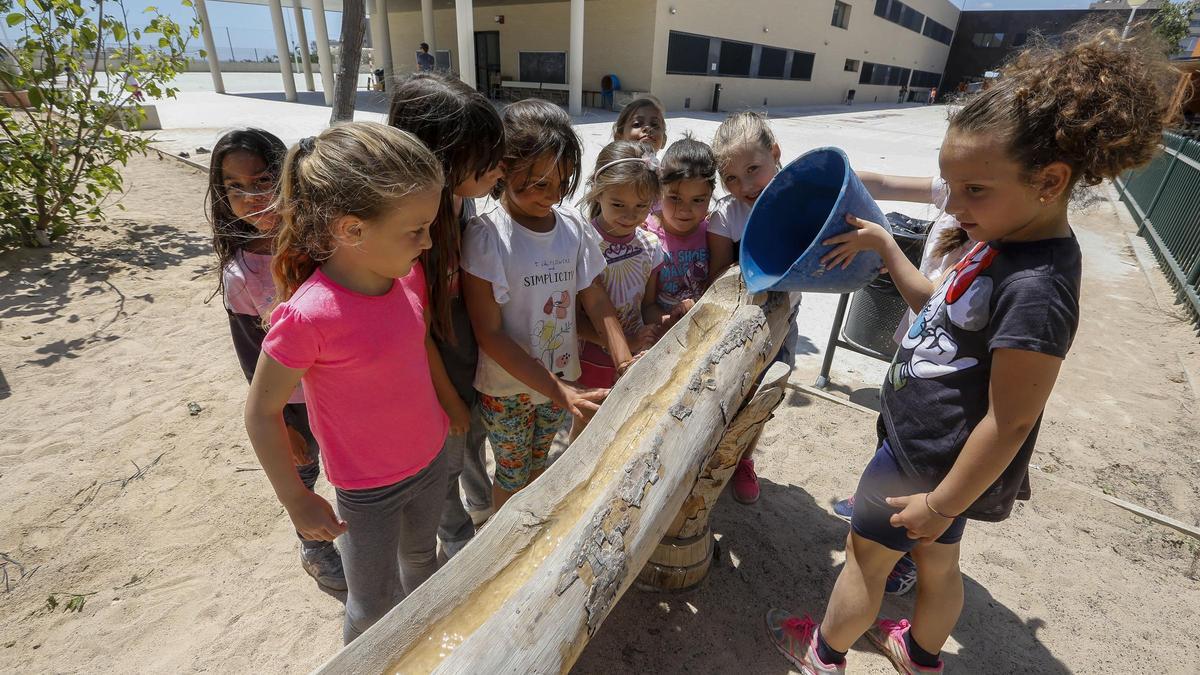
x=427 y=26
x=575 y=60
x=210 y=46
x=281 y=46
x=384 y=51
x=327 y=84
x=464 y=17
x=302 y=38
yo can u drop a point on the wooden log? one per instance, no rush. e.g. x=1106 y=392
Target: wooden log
x=535 y=584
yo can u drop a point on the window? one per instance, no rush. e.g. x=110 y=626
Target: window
x=687 y=54
x=881 y=7
x=771 y=62
x=938 y=32
x=545 y=67
x=1020 y=39
x=877 y=73
x=911 y=19
x=851 y=66
x=735 y=58
x=987 y=39
x=900 y=13
x=924 y=78
x=841 y=14
x=802 y=66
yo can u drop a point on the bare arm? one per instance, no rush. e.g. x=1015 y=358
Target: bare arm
x=721 y=254
x=602 y=313
x=914 y=287
x=885 y=187
x=452 y=403
x=652 y=316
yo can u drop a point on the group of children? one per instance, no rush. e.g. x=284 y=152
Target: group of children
x=385 y=323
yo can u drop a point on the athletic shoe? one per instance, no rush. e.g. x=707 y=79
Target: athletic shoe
x=888 y=637
x=324 y=564
x=844 y=509
x=903 y=576
x=796 y=638
x=745 y=482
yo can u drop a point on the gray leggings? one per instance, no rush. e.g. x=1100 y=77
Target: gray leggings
x=466 y=463
x=390 y=543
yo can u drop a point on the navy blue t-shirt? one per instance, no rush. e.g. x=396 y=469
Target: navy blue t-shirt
x=1022 y=295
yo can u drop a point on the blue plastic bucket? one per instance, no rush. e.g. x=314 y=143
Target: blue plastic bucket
x=805 y=204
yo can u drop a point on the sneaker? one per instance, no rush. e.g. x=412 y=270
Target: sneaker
x=903 y=576
x=796 y=638
x=844 y=509
x=481 y=516
x=324 y=564
x=888 y=637
x=745 y=482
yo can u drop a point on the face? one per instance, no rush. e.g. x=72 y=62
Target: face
x=479 y=186
x=685 y=203
x=535 y=192
x=992 y=196
x=646 y=125
x=749 y=169
x=622 y=209
x=392 y=243
x=249 y=188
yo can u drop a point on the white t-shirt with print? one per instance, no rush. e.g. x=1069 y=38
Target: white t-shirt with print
x=536 y=278
x=631 y=261
x=729 y=218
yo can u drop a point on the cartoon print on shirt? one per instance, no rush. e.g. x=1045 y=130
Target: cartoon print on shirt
x=964 y=300
x=548 y=333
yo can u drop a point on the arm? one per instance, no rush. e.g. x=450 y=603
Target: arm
x=898 y=188
x=1020 y=386
x=721 y=254
x=652 y=316
x=601 y=311
x=452 y=403
x=269 y=392
x=914 y=287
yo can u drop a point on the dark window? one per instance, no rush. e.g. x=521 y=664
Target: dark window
x=881 y=7
x=987 y=39
x=924 y=78
x=687 y=54
x=851 y=66
x=841 y=14
x=770 y=63
x=868 y=70
x=937 y=31
x=548 y=67
x=802 y=65
x=911 y=19
x=877 y=73
x=735 y=58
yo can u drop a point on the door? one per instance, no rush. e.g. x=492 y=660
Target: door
x=487 y=61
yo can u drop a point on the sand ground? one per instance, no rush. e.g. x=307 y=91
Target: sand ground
x=158 y=518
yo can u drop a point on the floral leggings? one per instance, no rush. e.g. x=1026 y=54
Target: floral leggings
x=521 y=433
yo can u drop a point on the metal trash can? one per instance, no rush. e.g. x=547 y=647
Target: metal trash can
x=876 y=310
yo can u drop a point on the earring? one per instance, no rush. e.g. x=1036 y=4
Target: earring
x=1041 y=200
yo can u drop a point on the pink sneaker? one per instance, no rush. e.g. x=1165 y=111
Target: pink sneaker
x=745 y=482
x=888 y=637
x=796 y=638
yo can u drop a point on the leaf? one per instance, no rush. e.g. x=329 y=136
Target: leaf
x=15 y=18
x=118 y=32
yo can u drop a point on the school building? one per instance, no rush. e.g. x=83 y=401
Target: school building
x=692 y=54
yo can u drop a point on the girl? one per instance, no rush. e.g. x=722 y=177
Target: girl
x=747 y=158
x=463 y=130
x=964 y=398
x=357 y=204
x=528 y=264
x=643 y=120
x=688 y=175
x=241 y=185
x=620 y=192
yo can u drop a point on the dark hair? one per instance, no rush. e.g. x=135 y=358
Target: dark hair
x=230 y=233
x=632 y=107
x=606 y=175
x=688 y=158
x=534 y=128
x=460 y=126
x=425 y=46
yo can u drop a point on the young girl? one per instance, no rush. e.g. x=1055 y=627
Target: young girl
x=688 y=176
x=643 y=120
x=241 y=186
x=618 y=200
x=357 y=204
x=964 y=397
x=463 y=130
x=528 y=264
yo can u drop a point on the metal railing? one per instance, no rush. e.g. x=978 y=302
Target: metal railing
x=1164 y=198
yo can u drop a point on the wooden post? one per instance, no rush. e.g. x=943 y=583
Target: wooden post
x=354 y=18
x=535 y=584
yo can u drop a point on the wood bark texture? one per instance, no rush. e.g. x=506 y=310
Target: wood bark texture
x=345 y=94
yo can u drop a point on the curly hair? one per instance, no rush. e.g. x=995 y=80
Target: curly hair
x=642 y=175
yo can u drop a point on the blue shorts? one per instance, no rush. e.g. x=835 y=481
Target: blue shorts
x=881 y=479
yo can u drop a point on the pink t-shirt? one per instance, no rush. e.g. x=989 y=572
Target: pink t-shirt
x=371 y=401
x=685 y=271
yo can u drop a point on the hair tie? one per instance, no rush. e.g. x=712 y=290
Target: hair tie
x=650 y=161
x=307 y=144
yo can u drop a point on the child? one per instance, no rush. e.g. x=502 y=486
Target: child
x=528 y=264
x=241 y=185
x=747 y=159
x=688 y=176
x=357 y=204
x=964 y=397
x=463 y=130
x=618 y=200
x=642 y=120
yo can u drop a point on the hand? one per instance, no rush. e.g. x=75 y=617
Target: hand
x=866 y=236
x=299 y=448
x=581 y=402
x=920 y=521
x=314 y=517
x=460 y=417
x=643 y=339
x=623 y=368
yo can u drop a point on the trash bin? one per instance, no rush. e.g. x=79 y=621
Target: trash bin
x=609 y=84
x=876 y=310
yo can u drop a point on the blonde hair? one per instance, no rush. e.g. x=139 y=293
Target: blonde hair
x=739 y=130
x=360 y=169
x=643 y=175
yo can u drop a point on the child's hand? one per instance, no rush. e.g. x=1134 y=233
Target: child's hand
x=581 y=402
x=314 y=517
x=920 y=521
x=644 y=339
x=460 y=417
x=866 y=236
x=299 y=448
